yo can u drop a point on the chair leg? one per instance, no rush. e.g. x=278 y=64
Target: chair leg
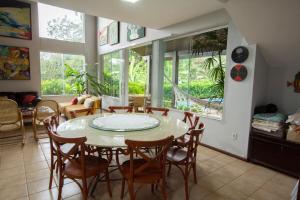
x=186 y=182
x=108 y=182
x=61 y=182
x=195 y=173
x=51 y=173
x=131 y=191
x=163 y=189
x=23 y=134
x=122 y=190
x=84 y=189
x=34 y=130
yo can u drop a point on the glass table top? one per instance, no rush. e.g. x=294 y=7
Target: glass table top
x=162 y=127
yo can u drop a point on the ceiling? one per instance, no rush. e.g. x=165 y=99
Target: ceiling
x=154 y=14
x=272 y=24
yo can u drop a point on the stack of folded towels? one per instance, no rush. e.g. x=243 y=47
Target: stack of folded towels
x=268 y=121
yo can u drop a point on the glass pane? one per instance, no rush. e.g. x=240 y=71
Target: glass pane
x=52 y=73
x=53 y=79
x=168 y=89
x=138 y=74
x=111 y=73
x=75 y=85
x=61 y=24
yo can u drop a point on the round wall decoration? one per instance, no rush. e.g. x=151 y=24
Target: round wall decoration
x=240 y=54
x=238 y=72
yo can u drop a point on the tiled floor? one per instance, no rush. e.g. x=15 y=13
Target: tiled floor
x=24 y=174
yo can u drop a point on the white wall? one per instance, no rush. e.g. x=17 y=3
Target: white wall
x=284 y=97
x=150 y=35
x=38 y=44
x=260 y=88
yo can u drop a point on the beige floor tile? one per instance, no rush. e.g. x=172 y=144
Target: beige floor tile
x=45 y=195
x=38 y=186
x=5 y=173
x=37 y=175
x=242 y=165
x=70 y=190
x=32 y=167
x=266 y=195
x=224 y=159
x=211 y=183
x=231 y=193
x=7 y=164
x=14 y=192
x=208 y=166
x=215 y=196
x=245 y=186
x=278 y=189
x=284 y=180
x=19 y=179
x=227 y=174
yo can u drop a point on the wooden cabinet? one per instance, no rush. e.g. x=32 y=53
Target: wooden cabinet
x=273 y=152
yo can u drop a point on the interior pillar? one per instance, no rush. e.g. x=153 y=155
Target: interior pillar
x=157 y=72
x=124 y=76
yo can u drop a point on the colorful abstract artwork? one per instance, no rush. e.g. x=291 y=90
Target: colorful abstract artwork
x=14 y=63
x=15 y=19
x=135 y=32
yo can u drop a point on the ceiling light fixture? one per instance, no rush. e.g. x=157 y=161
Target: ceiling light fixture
x=131 y=1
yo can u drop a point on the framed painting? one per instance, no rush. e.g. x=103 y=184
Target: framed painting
x=135 y=32
x=102 y=36
x=114 y=33
x=14 y=63
x=15 y=20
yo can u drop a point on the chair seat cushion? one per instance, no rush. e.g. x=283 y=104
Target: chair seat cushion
x=149 y=175
x=176 y=154
x=94 y=165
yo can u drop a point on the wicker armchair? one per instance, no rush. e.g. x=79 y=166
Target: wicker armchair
x=43 y=109
x=11 y=117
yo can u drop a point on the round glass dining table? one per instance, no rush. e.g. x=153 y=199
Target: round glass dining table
x=111 y=130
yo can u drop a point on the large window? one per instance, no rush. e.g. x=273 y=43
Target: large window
x=53 y=78
x=138 y=71
x=112 y=73
x=194 y=71
x=60 y=24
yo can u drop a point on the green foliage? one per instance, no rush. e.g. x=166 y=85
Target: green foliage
x=136 y=88
x=77 y=79
x=55 y=87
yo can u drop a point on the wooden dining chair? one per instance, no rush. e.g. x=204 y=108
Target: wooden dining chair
x=191 y=119
x=51 y=124
x=151 y=110
x=184 y=156
x=141 y=167
x=75 y=164
x=114 y=109
x=81 y=112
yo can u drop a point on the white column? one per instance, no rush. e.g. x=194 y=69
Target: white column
x=124 y=77
x=157 y=72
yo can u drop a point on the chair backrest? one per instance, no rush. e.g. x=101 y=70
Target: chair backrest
x=78 y=147
x=150 y=110
x=154 y=163
x=188 y=118
x=46 y=108
x=81 y=112
x=9 y=112
x=113 y=109
x=194 y=140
